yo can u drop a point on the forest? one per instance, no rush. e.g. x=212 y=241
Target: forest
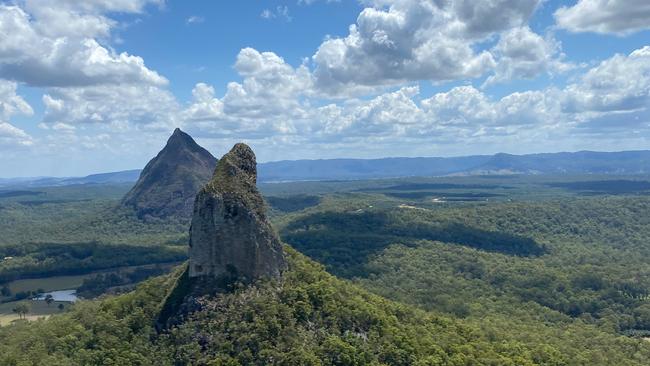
x=539 y=271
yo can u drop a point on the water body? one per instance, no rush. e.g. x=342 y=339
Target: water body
x=62 y=295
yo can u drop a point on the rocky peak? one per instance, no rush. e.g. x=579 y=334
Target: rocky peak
x=169 y=182
x=230 y=236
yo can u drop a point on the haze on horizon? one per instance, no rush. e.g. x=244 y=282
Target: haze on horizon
x=97 y=86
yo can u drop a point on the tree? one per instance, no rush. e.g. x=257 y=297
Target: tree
x=21 y=309
x=49 y=299
x=5 y=291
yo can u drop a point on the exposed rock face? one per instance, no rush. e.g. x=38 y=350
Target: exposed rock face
x=230 y=235
x=168 y=184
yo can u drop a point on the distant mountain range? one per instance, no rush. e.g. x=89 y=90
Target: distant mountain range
x=582 y=162
x=125 y=176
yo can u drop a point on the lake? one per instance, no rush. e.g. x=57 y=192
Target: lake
x=62 y=295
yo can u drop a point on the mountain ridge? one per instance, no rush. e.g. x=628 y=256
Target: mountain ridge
x=631 y=162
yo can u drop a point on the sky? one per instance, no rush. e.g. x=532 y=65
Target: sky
x=99 y=85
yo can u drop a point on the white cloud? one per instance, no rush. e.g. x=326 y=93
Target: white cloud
x=523 y=54
x=399 y=41
x=119 y=107
x=12 y=104
x=194 y=19
x=11 y=136
x=618 y=84
x=267 y=101
x=278 y=102
x=59 y=126
x=56 y=45
x=71 y=18
x=280 y=12
x=31 y=55
x=480 y=18
x=605 y=16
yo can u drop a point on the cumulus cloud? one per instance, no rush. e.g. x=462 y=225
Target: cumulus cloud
x=120 y=106
x=61 y=18
x=267 y=101
x=61 y=46
x=29 y=55
x=399 y=41
x=12 y=104
x=614 y=94
x=605 y=16
x=618 y=84
x=11 y=136
x=280 y=12
x=523 y=54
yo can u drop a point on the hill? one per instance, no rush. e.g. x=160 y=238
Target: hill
x=566 y=163
x=169 y=182
x=309 y=318
x=582 y=162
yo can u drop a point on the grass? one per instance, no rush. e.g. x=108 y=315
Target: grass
x=38 y=309
x=49 y=283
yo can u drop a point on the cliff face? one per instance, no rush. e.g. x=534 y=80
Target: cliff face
x=230 y=236
x=168 y=184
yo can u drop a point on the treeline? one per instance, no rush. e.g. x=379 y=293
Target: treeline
x=586 y=259
x=345 y=240
x=312 y=319
x=103 y=282
x=54 y=259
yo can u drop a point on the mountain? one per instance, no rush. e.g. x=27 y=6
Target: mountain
x=169 y=182
x=230 y=234
x=576 y=163
x=581 y=162
x=333 y=169
x=126 y=176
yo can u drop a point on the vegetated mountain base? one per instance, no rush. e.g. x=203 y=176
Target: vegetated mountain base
x=306 y=318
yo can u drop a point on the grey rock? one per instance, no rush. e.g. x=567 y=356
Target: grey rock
x=230 y=235
x=168 y=184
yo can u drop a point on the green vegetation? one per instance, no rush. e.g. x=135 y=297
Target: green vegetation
x=101 y=283
x=292 y=203
x=40 y=260
x=310 y=318
x=478 y=270
x=34 y=310
x=593 y=268
x=64 y=232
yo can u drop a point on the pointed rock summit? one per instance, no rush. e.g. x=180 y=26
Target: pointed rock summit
x=168 y=184
x=230 y=236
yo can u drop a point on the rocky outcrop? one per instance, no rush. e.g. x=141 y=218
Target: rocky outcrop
x=168 y=184
x=230 y=236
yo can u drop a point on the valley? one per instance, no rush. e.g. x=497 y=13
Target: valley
x=550 y=259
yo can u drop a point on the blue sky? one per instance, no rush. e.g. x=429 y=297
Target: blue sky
x=99 y=85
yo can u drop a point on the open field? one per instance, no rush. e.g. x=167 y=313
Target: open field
x=38 y=309
x=48 y=284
